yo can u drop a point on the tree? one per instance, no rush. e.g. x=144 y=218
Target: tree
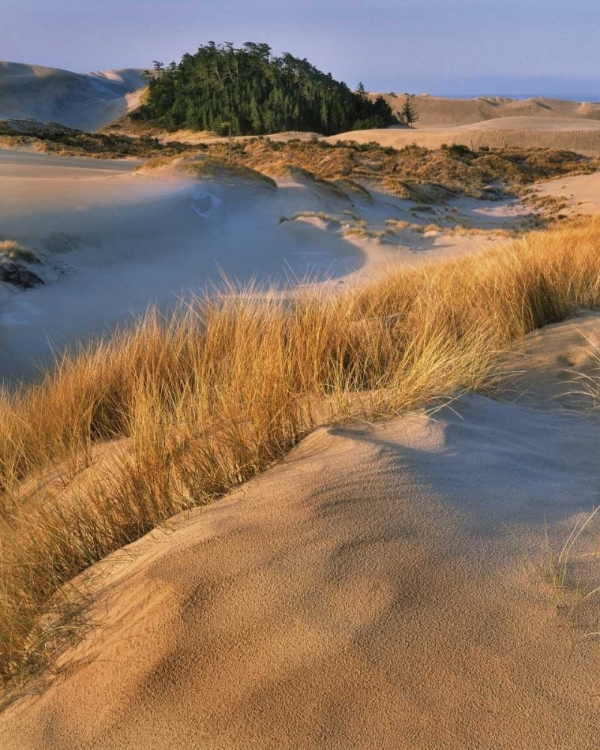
x=360 y=89
x=250 y=91
x=408 y=114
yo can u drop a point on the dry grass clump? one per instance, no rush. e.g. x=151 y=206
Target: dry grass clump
x=15 y=251
x=413 y=172
x=547 y=203
x=64 y=141
x=327 y=218
x=206 y=167
x=205 y=400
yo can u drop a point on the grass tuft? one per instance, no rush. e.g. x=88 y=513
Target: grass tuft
x=15 y=251
x=122 y=434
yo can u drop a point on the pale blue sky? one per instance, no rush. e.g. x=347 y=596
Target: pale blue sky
x=440 y=46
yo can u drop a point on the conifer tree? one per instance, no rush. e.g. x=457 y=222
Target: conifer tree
x=408 y=114
x=248 y=91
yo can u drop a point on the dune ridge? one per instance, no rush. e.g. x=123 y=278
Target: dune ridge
x=363 y=594
x=568 y=134
x=85 y=101
x=437 y=110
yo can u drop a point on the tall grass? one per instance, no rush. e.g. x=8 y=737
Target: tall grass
x=198 y=403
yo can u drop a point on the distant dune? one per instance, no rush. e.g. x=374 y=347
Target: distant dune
x=84 y=101
x=437 y=111
x=568 y=133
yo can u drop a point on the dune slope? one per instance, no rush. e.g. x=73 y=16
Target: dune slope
x=567 y=133
x=363 y=594
x=84 y=101
x=439 y=110
x=114 y=242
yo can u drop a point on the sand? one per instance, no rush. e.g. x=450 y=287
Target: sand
x=85 y=101
x=437 y=110
x=363 y=594
x=580 y=193
x=114 y=242
x=558 y=366
x=568 y=133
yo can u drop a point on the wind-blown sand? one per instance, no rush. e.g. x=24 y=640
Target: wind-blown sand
x=363 y=594
x=570 y=134
x=114 y=242
x=85 y=101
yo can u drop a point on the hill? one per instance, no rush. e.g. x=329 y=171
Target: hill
x=438 y=111
x=580 y=135
x=84 y=101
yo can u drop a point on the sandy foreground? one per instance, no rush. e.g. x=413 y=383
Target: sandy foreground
x=366 y=593
x=115 y=242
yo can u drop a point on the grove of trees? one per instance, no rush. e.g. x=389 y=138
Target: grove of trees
x=248 y=91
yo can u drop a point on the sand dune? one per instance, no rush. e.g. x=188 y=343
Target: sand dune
x=568 y=133
x=494 y=122
x=363 y=594
x=83 y=101
x=437 y=110
x=581 y=193
x=114 y=242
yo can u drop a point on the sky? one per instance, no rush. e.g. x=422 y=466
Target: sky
x=446 y=47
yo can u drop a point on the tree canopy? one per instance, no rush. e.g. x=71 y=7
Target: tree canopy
x=248 y=91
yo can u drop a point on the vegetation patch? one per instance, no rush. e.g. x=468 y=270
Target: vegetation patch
x=249 y=91
x=413 y=173
x=14 y=261
x=207 y=167
x=347 y=168
x=15 y=251
x=195 y=404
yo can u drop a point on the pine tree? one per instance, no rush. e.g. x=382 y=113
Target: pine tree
x=408 y=114
x=248 y=91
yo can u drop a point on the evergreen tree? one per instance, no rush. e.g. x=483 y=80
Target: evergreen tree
x=408 y=114
x=247 y=90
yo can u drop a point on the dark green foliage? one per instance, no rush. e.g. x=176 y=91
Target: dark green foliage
x=247 y=91
x=408 y=114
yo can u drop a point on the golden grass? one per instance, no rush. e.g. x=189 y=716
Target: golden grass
x=208 y=167
x=210 y=397
x=15 y=251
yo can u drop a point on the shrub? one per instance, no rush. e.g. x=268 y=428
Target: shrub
x=15 y=251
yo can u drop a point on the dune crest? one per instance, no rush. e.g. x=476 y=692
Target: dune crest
x=85 y=101
x=439 y=110
x=363 y=594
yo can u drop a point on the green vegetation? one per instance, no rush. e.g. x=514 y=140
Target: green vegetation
x=248 y=91
x=408 y=113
